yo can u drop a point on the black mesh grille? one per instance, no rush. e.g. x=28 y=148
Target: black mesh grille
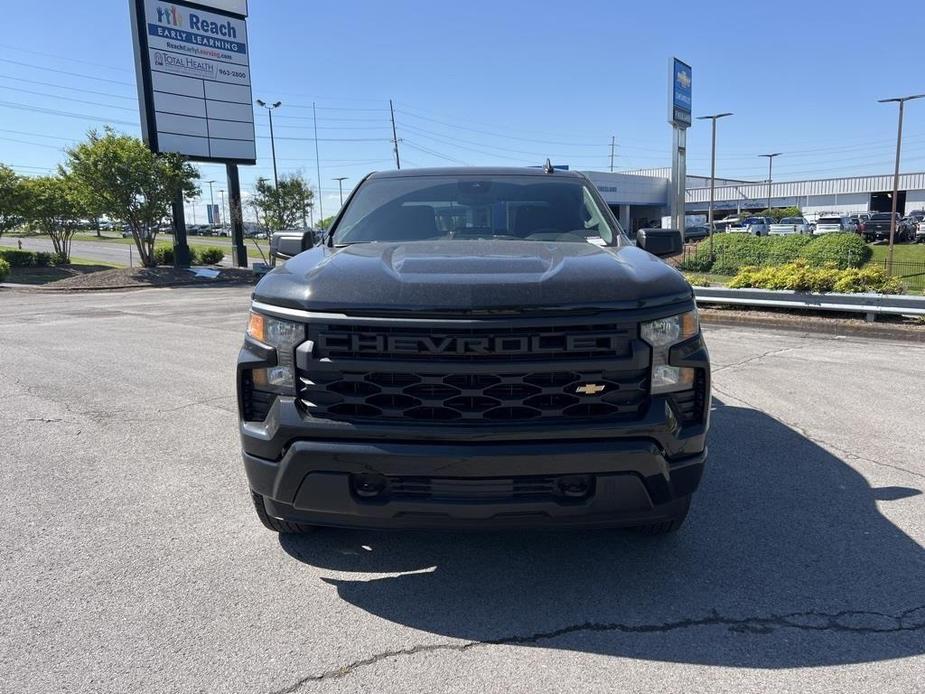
x=444 y=397
x=487 y=372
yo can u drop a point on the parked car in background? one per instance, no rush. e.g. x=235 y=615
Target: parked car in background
x=877 y=228
x=920 y=231
x=829 y=224
x=758 y=226
x=696 y=233
x=791 y=225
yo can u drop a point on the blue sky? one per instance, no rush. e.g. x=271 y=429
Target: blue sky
x=503 y=83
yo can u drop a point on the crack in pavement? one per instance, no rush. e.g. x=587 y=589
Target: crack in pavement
x=769 y=353
x=810 y=620
x=815 y=439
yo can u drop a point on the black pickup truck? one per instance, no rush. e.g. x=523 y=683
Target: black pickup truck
x=877 y=228
x=474 y=347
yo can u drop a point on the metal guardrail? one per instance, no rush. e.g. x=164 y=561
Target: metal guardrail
x=869 y=304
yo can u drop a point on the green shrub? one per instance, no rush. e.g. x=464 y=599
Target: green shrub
x=163 y=255
x=43 y=259
x=59 y=259
x=210 y=255
x=17 y=258
x=801 y=277
x=4 y=270
x=840 y=250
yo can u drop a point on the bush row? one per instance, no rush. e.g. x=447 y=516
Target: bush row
x=4 y=269
x=163 y=255
x=802 y=277
x=732 y=252
x=17 y=258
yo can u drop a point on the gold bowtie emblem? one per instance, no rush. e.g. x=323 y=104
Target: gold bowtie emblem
x=589 y=389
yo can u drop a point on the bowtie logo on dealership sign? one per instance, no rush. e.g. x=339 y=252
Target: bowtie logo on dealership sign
x=684 y=79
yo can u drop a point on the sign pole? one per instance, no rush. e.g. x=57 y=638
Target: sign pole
x=181 y=254
x=239 y=251
x=679 y=116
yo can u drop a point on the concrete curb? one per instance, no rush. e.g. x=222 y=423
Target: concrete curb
x=819 y=325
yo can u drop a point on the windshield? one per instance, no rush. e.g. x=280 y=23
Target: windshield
x=419 y=208
x=830 y=220
x=754 y=220
x=882 y=216
x=792 y=220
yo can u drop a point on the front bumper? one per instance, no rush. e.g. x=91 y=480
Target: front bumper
x=632 y=483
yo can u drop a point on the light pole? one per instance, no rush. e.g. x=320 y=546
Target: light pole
x=901 y=100
x=210 y=216
x=713 y=117
x=269 y=108
x=340 y=186
x=770 y=161
x=221 y=215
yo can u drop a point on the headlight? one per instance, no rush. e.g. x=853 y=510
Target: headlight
x=662 y=334
x=284 y=336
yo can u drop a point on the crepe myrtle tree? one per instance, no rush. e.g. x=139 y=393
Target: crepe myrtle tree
x=10 y=199
x=282 y=207
x=118 y=176
x=52 y=205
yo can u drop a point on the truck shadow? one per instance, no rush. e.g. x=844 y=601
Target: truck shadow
x=785 y=561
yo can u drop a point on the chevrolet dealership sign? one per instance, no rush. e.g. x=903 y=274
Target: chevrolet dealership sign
x=194 y=84
x=679 y=102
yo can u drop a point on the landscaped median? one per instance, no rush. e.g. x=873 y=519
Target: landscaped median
x=829 y=263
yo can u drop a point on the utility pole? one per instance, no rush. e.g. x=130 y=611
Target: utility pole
x=318 y=167
x=713 y=117
x=270 y=108
x=613 y=144
x=340 y=185
x=221 y=214
x=770 y=161
x=899 y=141
x=394 y=136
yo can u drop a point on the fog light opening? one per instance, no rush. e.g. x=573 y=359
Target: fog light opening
x=369 y=486
x=574 y=486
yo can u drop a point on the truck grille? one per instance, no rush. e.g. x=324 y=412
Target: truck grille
x=481 y=375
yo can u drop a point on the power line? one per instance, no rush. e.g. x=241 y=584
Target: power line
x=66 y=72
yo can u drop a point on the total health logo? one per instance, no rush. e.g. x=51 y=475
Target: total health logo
x=170 y=16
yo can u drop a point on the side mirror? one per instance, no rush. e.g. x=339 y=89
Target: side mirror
x=660 y=242
x=286 y=244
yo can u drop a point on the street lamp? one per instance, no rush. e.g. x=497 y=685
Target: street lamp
x=221 y=192
x=269 y=108
x=340 y=186
x=770 y=161
x=714 y=117
x=210 y=216
x=901 y=100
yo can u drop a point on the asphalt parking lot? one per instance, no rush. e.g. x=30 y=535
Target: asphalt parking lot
x=132 y=561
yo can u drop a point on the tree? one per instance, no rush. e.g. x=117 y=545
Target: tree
x=282 y=208
x=327 y=222
x=120 y=177
x=778 y=213
x=52 y=205
x=10 y=199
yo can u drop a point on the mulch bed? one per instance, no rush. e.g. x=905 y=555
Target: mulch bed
x=129 y=278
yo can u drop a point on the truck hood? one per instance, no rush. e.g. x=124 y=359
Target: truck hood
x=471 y=276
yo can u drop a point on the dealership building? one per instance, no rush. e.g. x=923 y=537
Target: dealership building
x=640 y=198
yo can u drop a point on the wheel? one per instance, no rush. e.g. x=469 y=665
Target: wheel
x=275 y=524
x=665 y=527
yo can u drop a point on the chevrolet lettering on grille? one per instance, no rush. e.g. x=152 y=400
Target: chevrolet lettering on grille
x=467 y=345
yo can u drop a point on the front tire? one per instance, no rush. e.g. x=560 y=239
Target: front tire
x=275 y=524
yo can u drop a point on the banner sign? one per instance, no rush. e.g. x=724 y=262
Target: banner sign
x=194 y=83
x=215 y=215
x=679 y=101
